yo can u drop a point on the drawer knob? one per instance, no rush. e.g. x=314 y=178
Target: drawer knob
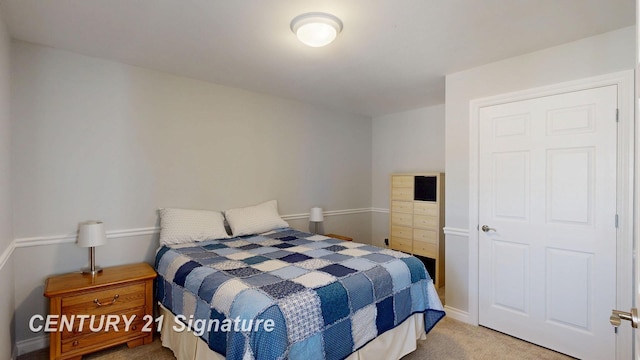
x=74 y=343
x=115 y=298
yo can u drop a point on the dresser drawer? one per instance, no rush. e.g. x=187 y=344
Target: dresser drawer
x=425 y=208
x=401 y=231
x=111 y=300
x=425 y=222
x=402 y=207
x=401 y=219
x=425 y=249
x=401 y=244
x=429 y=236
x=99 y=339
x=405 y=181
x=402 y=194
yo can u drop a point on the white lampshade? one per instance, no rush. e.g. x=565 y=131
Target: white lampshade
x=91 y=233
x=316 y=29
x=316 y=214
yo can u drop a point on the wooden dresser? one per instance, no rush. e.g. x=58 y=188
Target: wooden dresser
x=416 y=220
x=119 y=292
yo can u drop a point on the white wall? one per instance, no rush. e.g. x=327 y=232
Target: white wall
x=605 y=53
x=410 y=141
x=95 y=139
x=6 y=228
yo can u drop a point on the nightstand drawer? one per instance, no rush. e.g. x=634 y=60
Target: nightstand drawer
x=105 y=301
x=135 y=315
x=99 y=339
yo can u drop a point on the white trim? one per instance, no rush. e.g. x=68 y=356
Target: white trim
x=123 y=233
x=456 y=231
x=326 y=213
x=457 y=314
x=380 y=210
x=624 y=81
x=32 y=344
x=114 y=234
x=347 y=211
x=70 y=238
x=6 y=254
x=297 y=216
x=45 y=240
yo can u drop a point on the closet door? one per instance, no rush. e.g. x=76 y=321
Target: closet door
x=547 y=210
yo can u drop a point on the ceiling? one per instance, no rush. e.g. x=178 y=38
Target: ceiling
x=391 y=56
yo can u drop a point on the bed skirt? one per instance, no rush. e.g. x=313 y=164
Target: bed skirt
x=392 y=344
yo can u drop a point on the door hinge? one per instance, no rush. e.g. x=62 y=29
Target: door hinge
x=617 y=115
x=617 y=221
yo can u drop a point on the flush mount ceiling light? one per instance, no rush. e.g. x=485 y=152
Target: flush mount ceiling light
x=316 y=29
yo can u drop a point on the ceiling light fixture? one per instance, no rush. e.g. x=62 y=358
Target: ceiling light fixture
x=316 y=29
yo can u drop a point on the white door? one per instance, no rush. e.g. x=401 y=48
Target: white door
x=547 y=195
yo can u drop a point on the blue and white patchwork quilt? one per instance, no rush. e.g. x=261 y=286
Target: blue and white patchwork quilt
x=322 y=298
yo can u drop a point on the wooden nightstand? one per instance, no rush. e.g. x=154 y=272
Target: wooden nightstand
x=340 y=237
x=118 y=292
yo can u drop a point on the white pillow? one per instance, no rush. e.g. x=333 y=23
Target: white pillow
x=255 y=219
x=179 y=226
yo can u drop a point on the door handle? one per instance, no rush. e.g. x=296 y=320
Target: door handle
x=486 y=228
x=617 y=316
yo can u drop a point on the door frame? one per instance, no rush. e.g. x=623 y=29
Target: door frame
x=625 y=185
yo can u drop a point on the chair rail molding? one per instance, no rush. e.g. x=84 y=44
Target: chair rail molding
x=448 y=230
x=6 y=254
x=124 y=233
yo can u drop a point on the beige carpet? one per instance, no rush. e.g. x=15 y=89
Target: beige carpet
x=450 y=339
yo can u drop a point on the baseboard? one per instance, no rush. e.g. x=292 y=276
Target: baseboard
x=33 y=344
x=457 y=314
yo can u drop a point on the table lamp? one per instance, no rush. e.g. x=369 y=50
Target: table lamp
x=316 y=217
x=91 y=234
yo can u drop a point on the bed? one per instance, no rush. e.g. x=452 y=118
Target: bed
x=322 y=298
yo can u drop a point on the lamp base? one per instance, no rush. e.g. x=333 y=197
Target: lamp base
x=92 y=269
x=89 y=271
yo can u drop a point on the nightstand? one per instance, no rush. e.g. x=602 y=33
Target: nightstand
x=340 y=237
x=120 y=293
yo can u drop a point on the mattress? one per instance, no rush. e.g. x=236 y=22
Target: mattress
x=322 y=298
